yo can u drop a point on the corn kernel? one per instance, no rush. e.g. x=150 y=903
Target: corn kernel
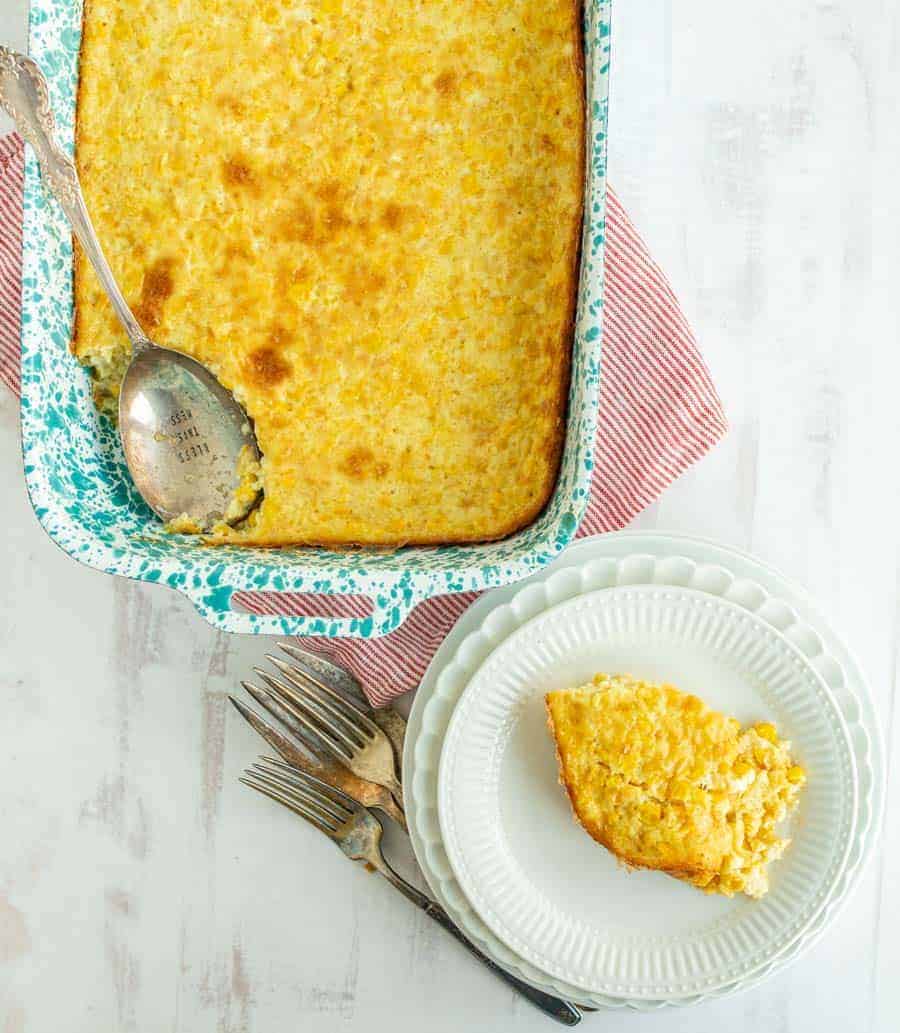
x=679 y=789
x=651 y=811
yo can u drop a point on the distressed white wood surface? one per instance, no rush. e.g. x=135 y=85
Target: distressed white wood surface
x=141 y=888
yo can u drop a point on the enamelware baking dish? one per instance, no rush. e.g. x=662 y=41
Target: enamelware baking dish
x=76 y=475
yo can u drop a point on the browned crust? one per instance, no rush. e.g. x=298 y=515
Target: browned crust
x=560 y=403
x=529 y=515
x=678 y=871
x=80 y=261
x=560 y=406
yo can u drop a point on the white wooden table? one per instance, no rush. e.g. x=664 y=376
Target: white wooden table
x=141 y=888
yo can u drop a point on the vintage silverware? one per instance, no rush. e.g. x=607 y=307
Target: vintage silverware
x=341 y=727
x=345 y=682
x=302 y=746
x=358 y=833
x=182 y=432
x=310 y=756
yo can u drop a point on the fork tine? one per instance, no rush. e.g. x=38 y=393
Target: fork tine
x=274 y=706
x=306 y=681
x=319 y=710
x=346 y=684
x=332 y=674
x=304 y=678
x=263 y=698
x=272 y=735
x=331 y=792
x=328 y=812
x=313 y=691
x=346 y=723
x=300 y=790
x=335 y=745
x=286 y=801
x=317 y=785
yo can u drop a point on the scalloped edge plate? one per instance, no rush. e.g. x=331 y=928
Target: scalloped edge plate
x=628 y=557
x=543 y=887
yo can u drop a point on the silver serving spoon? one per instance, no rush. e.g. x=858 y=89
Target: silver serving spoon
x=182 y=432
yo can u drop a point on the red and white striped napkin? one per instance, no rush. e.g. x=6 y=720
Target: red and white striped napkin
x=12 y=167
x=659 y=412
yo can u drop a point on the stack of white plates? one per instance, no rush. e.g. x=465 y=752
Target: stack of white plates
x=493 y=830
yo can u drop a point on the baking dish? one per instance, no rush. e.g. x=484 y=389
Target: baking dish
x=77 y=479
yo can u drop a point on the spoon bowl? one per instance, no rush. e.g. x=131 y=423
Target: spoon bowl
x=188 y=444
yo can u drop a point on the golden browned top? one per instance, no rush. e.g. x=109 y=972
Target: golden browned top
x=664 y=782
x=364 y=217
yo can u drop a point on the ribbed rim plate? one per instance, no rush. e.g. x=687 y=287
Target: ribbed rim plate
x=607 y=561
x=562 y=902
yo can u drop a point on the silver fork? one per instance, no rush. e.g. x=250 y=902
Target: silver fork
x=346 y=683
x=358 y=833
x=342 y=728
x=312 y=757
x=303 y=748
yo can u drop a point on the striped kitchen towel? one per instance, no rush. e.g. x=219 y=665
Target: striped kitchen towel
x=659 y=412
x=12 y=166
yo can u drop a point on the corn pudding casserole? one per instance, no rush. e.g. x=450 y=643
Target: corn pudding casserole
x=664 y=782
x=364 y=218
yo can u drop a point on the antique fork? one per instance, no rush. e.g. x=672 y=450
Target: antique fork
x=314 y=757
x=342 y=728
x=358 y=833
x=345 y=682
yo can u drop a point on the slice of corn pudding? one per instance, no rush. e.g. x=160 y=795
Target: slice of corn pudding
x=666 y=783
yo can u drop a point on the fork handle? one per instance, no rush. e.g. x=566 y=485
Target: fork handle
x=390 y=808
x=557 y=1008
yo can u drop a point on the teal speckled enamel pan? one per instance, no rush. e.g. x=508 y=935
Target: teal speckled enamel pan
x=76 y=475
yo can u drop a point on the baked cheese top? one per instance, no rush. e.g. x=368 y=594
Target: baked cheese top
x=364 y=217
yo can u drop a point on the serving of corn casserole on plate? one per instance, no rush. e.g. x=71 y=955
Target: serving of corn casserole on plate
x=663 y=782
x=740 y=783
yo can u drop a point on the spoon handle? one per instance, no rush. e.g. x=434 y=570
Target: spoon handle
x=24 y=97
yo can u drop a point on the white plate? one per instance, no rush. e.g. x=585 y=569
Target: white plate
x=609 y=560
x=542 y=885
